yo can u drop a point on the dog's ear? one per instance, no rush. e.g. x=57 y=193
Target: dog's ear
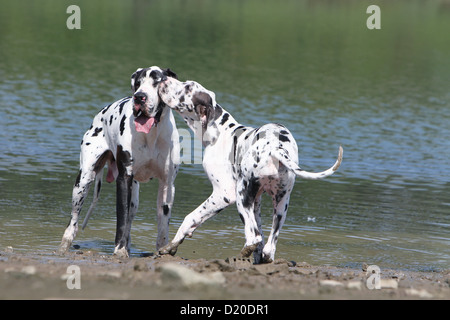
x=203 y=113
x=202 y=98
x=135 y=84
x=203 y=104
x=169 y=73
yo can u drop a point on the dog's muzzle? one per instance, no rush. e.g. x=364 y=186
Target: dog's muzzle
x=142 y=122
x=140 y=98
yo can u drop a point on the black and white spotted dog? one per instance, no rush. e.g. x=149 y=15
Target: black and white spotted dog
x=138 y=139
x=242 y=163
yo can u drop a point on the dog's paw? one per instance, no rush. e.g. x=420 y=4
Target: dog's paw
x=121 y=252
x=266 y=258
x=248 y=250
x=63 y=247
x=168 y=249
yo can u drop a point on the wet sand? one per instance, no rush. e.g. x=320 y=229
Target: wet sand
x=38 y=276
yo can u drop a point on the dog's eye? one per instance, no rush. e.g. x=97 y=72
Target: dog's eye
x=156 y=75
x=137 y=84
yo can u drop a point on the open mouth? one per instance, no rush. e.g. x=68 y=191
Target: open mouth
x=142 y=122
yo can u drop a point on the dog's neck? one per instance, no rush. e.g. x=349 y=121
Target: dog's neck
x=163 y=122
x=164 y=114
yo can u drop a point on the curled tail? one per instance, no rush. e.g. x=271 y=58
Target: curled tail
x=284 y=158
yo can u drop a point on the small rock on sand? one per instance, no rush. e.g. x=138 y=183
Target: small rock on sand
x=175 y=273
x=330 y=283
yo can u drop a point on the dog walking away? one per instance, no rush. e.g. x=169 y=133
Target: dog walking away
x=242 y=163
x=137 y=138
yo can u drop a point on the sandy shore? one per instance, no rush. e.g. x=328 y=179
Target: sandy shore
x=37 y=276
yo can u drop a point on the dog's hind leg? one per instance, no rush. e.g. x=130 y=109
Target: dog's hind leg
x=248 y=203
x=257 y=254
x=90 y=168
x=79 y=193
x=110 y=177
x=280 y=206
x=97 y=188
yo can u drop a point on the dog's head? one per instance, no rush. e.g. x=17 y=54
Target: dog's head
x=196 y=104
x=147 y=104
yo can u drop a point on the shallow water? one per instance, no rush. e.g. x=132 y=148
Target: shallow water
x=311 y=65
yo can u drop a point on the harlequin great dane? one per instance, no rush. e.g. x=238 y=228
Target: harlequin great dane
x=242 y=163
x=138 y=139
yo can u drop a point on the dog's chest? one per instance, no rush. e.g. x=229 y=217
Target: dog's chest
x=147 y=158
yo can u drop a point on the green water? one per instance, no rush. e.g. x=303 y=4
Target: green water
x=311 y=65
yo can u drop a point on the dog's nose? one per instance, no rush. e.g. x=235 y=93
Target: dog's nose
x=140 y=98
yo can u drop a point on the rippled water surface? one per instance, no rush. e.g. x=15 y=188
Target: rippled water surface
x=311 y=65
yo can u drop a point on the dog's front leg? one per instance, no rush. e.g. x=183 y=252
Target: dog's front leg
x=134 y=204
x=124 y=189
x=209 y=208
x=166 y=192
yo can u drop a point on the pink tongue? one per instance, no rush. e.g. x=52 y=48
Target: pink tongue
x=143 y=123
